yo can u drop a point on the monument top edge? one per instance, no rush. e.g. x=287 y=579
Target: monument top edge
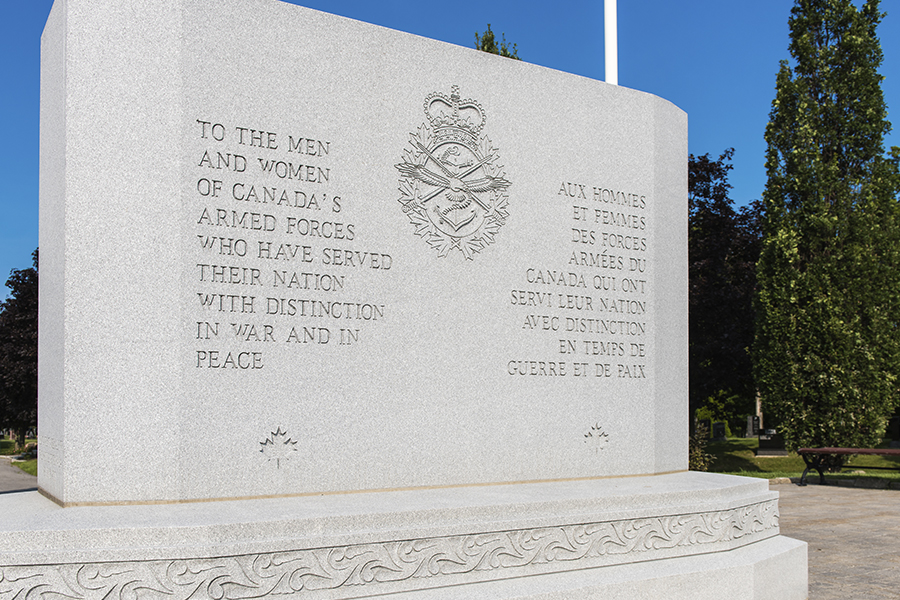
x=286 y=5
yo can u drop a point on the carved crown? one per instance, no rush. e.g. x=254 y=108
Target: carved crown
x=450 y=115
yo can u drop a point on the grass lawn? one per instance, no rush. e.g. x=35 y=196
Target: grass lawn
x=8 y=446
x=29 y=466
x=737 y=456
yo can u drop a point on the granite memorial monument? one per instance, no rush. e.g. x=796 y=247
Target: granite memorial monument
x=333 y=311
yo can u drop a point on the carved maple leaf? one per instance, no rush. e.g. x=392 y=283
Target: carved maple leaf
x=597 y=437
x=278 y=446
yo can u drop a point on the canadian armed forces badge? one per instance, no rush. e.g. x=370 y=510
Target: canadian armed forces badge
x=453 y=189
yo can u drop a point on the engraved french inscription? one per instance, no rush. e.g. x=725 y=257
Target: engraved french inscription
x=592 y=306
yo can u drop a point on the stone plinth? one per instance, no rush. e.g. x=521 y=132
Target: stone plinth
x=701 y=531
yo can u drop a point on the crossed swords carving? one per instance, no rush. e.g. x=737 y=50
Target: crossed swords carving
x=455 y=183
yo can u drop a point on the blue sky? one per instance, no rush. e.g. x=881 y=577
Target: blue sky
x=716 y=59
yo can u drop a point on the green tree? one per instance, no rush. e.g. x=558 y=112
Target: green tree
x=723 y=247
x=487 y=43
x=18 y=352
x=826 y=350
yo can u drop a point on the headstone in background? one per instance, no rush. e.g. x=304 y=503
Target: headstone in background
x=771 y=443
x=894 y=431
x=718 y=431
x=752 y=426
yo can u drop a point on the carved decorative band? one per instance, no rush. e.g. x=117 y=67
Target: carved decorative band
x=352 y=571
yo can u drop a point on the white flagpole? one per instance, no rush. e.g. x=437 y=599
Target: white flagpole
x=611 y=41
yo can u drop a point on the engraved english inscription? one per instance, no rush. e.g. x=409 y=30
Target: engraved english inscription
x=277 y=260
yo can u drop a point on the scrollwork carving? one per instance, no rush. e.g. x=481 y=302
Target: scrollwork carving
x=415 y=564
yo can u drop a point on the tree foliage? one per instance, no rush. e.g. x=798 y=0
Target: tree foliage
x=723 y=247
x=698 y=458
x=826 y=352
x=486 y=42
x=18 y=352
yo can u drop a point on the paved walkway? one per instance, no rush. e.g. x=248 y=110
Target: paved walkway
x=853 y=535
x=14 y=479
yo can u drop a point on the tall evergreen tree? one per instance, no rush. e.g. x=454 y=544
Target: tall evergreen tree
x=827 y=344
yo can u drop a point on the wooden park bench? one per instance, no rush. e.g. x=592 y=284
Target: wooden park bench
x=817 y=458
